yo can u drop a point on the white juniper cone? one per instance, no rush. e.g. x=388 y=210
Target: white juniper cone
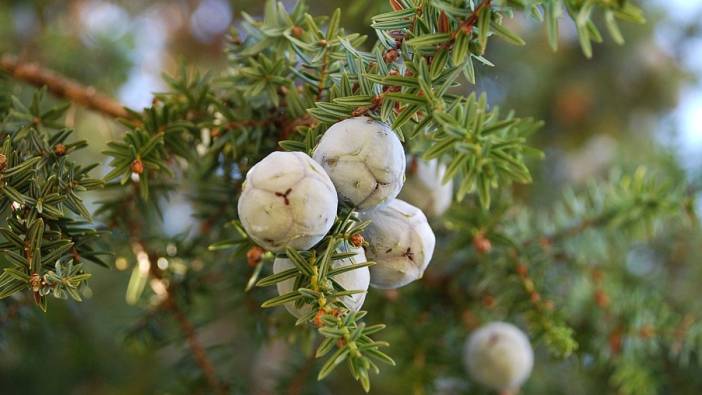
x=287 y=201
x=424 y=188
x=498 y=355
x=364 y=159
x=400 y=242
x=353 y=280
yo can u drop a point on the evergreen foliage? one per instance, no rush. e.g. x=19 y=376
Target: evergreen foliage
x=290 y=76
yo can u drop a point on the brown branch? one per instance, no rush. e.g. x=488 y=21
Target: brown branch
x=288 y=126
x=196 y=347
x=169 y=303
x=62 y=86
x=467 y=24
x=473 y=18
x=188 y=329
x=574 y=230
x=298 y=383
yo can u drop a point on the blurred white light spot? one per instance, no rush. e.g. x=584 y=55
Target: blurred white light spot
x=205 y=136
x=162 y=263
x=103 y=20
x=177 y=215
x=159 y=288
x=137 y=91
x=210 y=19
x=689 y=138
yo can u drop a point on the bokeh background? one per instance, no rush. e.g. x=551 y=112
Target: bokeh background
x=632 y=104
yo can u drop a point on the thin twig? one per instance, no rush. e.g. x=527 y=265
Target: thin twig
x=473 y=18
x=188 y=329
x=62 y=86
x=196 y=347
x=298 y=383
x=170 y=305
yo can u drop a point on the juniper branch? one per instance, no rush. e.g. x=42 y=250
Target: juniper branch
x=62 y=86
x=196 y=348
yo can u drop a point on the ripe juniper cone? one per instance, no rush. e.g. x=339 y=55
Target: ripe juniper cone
x=287 y=201
x=353 y=280
x=498 y=355
x=364 y=159
x=400 y=242
x=425 y=188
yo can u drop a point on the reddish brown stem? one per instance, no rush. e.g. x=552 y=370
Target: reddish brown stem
x=61 y=86
x=198 y=351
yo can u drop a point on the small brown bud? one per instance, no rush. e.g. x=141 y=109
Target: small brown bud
x=390 y=55
x=297 y=31
x=488 y=301
x=216 y=132
x=601 y=298
x=35 y=282
x=3 y=161
x=391 y=88
x=254 y=255
x=535 y=297
x=359 y=111
x=317 y=320
x=137 y=166
x=481 y=244
x=60 y=149
x=467 y=28
x=522 y=270
x=323 y=42
x=357 y=240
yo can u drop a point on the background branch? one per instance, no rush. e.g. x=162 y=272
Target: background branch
x=61 y=86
